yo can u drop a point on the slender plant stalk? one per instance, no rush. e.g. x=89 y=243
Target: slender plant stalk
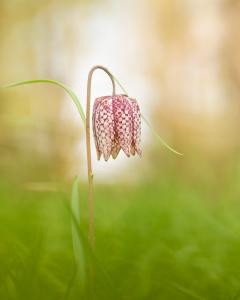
x=88 y=146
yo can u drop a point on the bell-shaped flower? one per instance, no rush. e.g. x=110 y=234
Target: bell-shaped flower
x=116 y=126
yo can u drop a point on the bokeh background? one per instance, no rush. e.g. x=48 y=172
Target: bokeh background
x=166 y=226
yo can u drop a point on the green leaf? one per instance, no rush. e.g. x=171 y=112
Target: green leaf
x=160 y=139
x=78 y=247
x=88 y=265
x=80 y=109
x=120 y=85
x=66 y=88
x=75 y=200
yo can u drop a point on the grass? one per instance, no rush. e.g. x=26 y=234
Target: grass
x=153 y=241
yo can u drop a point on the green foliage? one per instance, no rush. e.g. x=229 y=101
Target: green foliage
x=63 y=86
x=77 y=240
x=156 y=135
x=153 y=241
x=77 y=102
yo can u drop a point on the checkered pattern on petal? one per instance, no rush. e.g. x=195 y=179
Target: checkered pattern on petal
x=136 y=141
x=122 y=111
x=116 y=126
x=103 y=126
x=95 y=112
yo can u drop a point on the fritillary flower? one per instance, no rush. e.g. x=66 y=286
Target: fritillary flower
x=116 y=126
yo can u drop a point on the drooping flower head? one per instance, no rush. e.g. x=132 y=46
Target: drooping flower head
x=116 y=126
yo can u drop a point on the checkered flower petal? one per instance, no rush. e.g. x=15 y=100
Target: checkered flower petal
x=122 y=111
x=95 y=113
x=103 y=126
x=116 y=126
x=136 y=141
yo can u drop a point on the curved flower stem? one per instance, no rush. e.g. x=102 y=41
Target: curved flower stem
x=88 y=145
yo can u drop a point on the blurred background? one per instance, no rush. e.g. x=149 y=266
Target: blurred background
x=181 y=60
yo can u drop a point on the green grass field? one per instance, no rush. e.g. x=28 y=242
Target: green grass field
x=153 y=241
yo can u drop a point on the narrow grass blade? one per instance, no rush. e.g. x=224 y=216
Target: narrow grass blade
x=84 y=254
x=120 y=85
x=161 y=140
x=78 y=247
x=66 y=88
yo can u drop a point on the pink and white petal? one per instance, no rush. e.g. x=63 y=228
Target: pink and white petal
x=95 y=126
x=136 y=142
x=95 y=123
x=122 y=111
x=105 y=127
